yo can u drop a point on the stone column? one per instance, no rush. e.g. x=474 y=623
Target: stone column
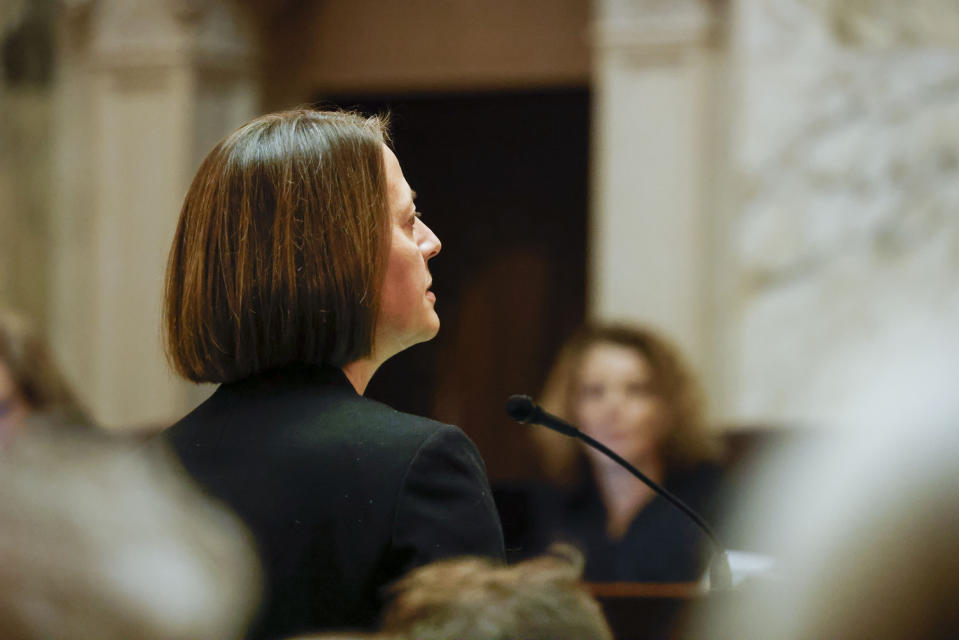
x=146 y=88
x=655 y=105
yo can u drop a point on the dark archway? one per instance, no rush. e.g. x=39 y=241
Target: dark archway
x=502 y=180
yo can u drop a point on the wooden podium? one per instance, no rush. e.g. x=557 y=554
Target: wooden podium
x=648 y=611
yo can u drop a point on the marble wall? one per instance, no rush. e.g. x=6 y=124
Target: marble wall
x=843 y=216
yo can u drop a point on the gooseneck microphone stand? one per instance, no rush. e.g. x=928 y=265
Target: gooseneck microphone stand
x=522 y=409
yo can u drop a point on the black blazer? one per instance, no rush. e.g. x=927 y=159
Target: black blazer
x=342 y=494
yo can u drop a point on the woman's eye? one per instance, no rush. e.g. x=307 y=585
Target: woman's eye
x=591 y=391
x=639 y=389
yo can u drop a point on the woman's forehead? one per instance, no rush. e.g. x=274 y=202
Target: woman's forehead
x=612 y=358
x=398 y=190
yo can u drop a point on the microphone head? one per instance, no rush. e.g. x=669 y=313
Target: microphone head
x=520 y=408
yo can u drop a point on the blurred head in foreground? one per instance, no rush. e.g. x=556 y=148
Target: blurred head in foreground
x=99 y=540
x=864 y=526
x=472 y=598
x=30 y=382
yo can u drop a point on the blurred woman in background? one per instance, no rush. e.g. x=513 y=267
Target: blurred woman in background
x=30 y=382
x=629 y=388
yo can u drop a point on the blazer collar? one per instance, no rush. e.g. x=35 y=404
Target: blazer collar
x=298 y=374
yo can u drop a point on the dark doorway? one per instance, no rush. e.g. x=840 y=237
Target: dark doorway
x=502 y=180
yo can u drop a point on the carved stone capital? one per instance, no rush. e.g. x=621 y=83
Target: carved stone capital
x=652 y=24
x=11 y=13
x=136 y=34
x=892 y=23
x=75 y=11
x=188 y=11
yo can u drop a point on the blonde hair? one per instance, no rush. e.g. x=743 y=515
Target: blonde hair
x=687 y=442
x=477 y=599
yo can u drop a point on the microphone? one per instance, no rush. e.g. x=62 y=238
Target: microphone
x=522 y=409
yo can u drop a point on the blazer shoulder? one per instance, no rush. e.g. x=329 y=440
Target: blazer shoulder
x=360 y=415
x=445 y=505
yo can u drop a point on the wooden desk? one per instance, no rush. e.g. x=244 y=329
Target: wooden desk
x=647 y=611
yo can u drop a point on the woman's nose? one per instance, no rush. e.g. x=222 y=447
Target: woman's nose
x=612 y=404
x=430 y=245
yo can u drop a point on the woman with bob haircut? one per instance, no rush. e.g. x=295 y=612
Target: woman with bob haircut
x=628 y=387
x=299 y=266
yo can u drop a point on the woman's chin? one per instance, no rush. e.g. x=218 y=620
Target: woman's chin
x=641 y=459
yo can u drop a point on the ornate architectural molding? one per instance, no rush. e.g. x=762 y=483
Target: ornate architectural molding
x=11 y=13
x=891 y=23
x=174 y=33
x=652 y=24
x=76 y=9
x=188 y=11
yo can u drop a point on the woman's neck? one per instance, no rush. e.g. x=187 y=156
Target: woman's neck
x=360 y=372
x=624 y=495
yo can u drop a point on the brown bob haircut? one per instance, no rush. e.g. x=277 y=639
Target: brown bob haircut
x=687 y=443
x=280 y=248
